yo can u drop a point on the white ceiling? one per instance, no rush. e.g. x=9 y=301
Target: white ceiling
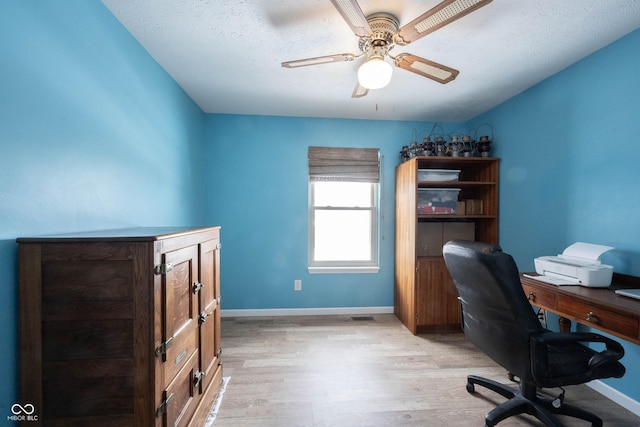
x=226 y=54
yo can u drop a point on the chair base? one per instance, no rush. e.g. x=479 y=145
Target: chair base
x=525 y=400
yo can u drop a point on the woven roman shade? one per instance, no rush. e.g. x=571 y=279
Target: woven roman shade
x=344 y=164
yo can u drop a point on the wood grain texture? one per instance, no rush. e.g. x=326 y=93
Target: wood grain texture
x=405 y=248
x=437 y=298
x=93 y=311
x=333 y=371
x=425 y=298
x=600 y=308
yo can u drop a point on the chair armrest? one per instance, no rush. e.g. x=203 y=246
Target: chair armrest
x=551 y=350
x=549 y=337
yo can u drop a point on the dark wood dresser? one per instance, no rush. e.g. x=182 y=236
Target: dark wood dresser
x=120 y=328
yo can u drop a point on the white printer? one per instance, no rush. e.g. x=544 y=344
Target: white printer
x=579 y=264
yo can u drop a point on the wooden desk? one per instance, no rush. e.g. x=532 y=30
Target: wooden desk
x=599 y=308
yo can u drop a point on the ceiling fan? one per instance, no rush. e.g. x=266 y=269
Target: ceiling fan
x=378 y=33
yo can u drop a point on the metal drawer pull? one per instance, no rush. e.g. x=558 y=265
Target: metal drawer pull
x=532 y=296
x=196 y=287
x=197 y=378
x=202 y=317
x=163 y=347
x=164 y=406
x=163 y=268
x=592 y=317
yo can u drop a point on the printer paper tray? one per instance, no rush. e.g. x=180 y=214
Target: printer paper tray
x=553 y=280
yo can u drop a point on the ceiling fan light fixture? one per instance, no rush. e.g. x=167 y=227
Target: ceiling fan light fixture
x=375 y=73
x=379 y=32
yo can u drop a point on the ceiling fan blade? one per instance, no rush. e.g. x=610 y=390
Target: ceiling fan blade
x=437 y=17
x=351 y=12
x=340 y=57
x=424 y=67
x=359 y=91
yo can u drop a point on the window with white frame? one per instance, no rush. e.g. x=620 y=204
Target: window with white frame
x=343 y=210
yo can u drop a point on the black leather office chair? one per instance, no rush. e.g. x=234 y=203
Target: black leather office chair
x=499 y=320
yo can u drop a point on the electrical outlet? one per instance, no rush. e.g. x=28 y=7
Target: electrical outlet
x=297 y=285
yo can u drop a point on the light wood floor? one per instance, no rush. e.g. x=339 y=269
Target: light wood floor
x=337 y=371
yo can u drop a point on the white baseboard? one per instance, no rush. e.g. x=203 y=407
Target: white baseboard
x=305 y=311
x=613 y=394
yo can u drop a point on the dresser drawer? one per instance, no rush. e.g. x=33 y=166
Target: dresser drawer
x=180 y=397
x=601 y=318
x=540 y=298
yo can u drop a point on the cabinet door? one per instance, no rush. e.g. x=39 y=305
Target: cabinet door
x=436 y=295
x=209 y=310
x=181 y=394
x=180 y=309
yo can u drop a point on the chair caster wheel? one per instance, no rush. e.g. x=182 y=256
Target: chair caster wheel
x=471 y=388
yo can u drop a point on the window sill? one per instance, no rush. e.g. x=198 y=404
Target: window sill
x=344 y=270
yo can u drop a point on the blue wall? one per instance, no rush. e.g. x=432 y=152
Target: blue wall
x=258 y=187
x=570 y=150
x=93 y=134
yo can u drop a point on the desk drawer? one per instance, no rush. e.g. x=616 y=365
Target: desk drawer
x=540 y=298
x=617 y=323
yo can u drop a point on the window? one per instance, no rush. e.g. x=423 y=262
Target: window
x=343 y=210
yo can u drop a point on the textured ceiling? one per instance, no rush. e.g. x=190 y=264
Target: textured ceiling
x=226 y=55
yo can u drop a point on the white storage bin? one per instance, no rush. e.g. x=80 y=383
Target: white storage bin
x=437 y=200
x=438 y=174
